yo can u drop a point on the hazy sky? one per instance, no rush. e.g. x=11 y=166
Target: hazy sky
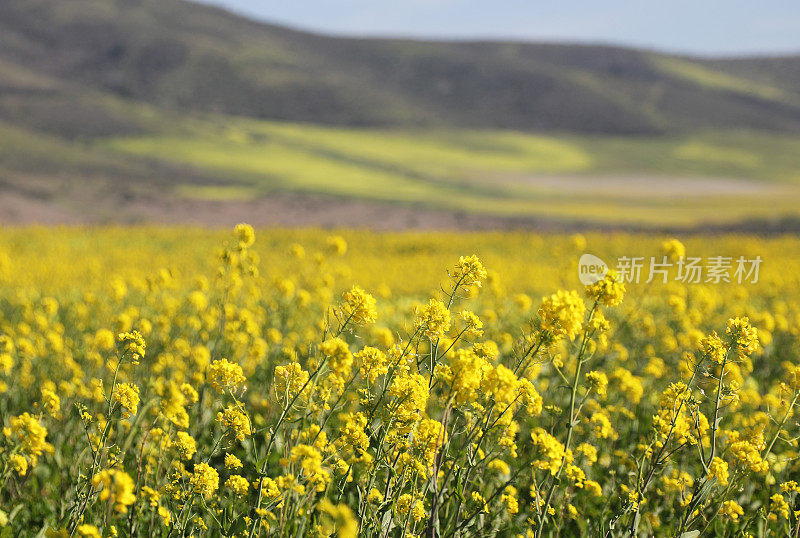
x=694 y=26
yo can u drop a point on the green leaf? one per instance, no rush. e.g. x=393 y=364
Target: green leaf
x=386 y=523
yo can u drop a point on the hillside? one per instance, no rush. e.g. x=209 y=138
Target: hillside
x=165 y=110
x=191 y=57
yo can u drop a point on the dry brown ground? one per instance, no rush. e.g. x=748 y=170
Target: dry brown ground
x=302 y=210
x=285 y=209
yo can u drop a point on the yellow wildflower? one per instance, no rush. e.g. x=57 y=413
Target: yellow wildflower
x=204 y=479
x=116 y=487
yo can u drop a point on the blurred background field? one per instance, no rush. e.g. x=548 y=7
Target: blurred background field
x=173 y=111
x=75 y=260
x=686 y=179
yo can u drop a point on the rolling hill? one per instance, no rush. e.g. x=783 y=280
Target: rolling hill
x=192 y=57
x=105 y=103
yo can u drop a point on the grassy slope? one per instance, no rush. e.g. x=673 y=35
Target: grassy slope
x=499 y=172
x=484 y=171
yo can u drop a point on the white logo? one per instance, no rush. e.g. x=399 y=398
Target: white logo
x=591 y=269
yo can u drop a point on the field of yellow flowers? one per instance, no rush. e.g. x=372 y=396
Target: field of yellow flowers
x=181 y=382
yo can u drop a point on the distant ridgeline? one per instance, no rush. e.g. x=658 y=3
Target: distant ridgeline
x=63 y=64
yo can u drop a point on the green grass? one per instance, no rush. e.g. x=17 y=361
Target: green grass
x=718 y=80
x=21 y=149
x=496 y=172
x=751 y=156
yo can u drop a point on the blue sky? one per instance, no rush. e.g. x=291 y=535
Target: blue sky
x=716 y=27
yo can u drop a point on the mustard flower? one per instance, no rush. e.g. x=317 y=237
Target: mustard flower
x=352 y=436
x=204 y=479
x=561 y=315
x=310 y=461
x=238 y=485
x=468 y=371
x=588 y=451
x=104 y=339
x=718 y=469
x=411 y=395
x=523 y=301
x=51 y=402
x=732 y=510
x=340 y=359
x=742 y=335
x=235 y=422
x=747 y=452
x=289 y=379
x=88 y=531
x=469 y=271
x=598 y=382
x=127 y=395
x=375 y=496
x=18 y=463
x=509 y=500
x=428 y=438
x=116 y=487
x=433 y=319
x=607 y=291
x=601 y=426
x=628 y=384
x=337 y=245
x=224 y=374
x=372 y=363
x=359 y=306
x=501 y=384
x=593 y=488
x=674 y=249
x=232 y=462
x=529 y=397
x=473 y=326
x=185 y=445
x=549 y=450
x=132 y=344
x=408 y=503
x=26 y=430
x=778 y=507
x=713 y=348
x=339 y=518
x=270 y=489
x=245 y=235
x=499 y=466
x=477 y=502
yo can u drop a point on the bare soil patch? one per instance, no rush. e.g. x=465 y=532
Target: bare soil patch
x=307 y=210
